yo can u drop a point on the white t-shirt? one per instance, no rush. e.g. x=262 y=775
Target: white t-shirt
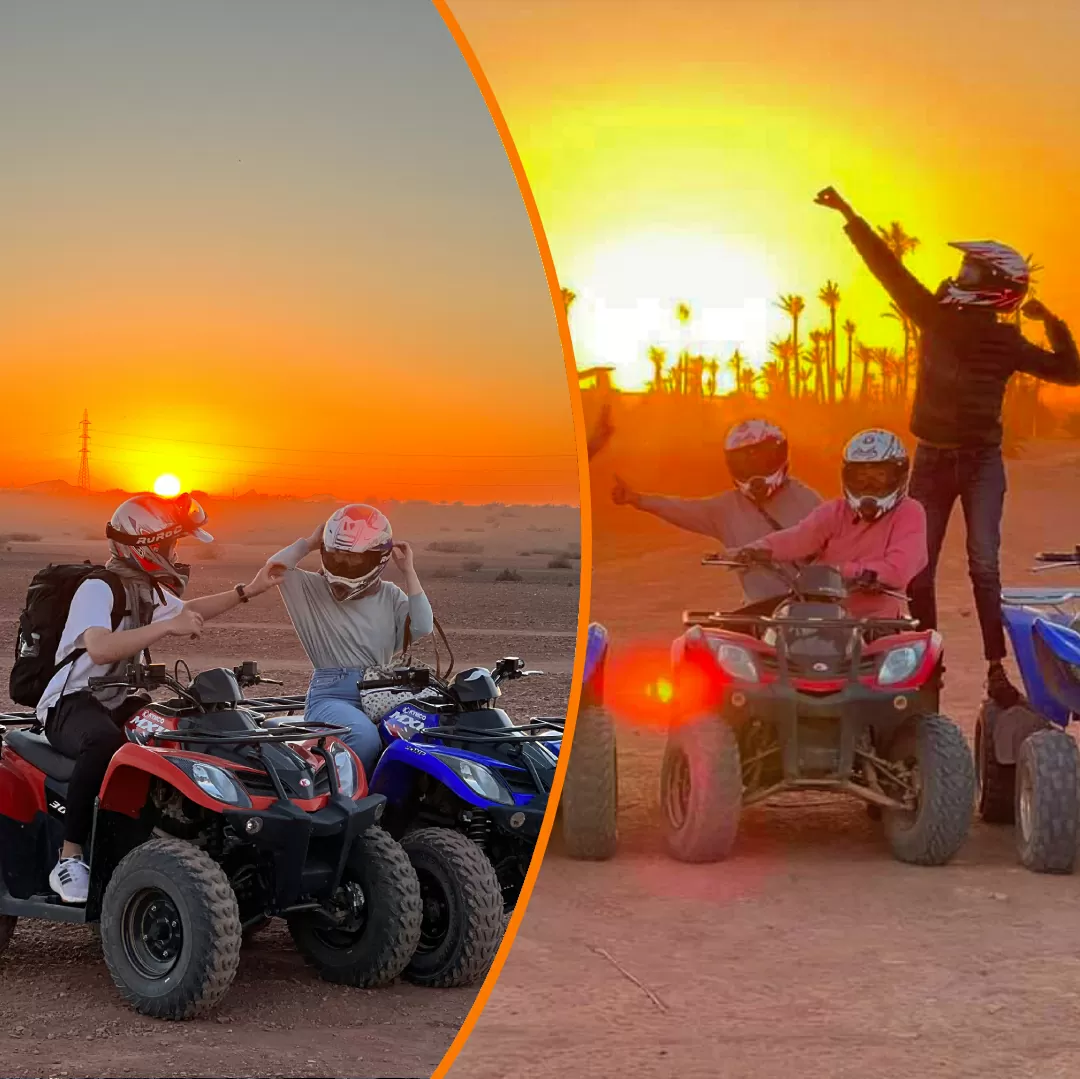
x=91 y=607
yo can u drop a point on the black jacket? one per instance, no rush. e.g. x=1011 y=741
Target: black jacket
x=966 y=355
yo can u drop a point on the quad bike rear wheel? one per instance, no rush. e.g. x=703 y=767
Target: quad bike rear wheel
x=590 y=795
x=377 y=921
x=170 y=929
x=1048 y=801
x=944 y=776
x=996 y=782
x=463 y=908
x=701 y=790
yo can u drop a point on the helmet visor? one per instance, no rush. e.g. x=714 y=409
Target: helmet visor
x=874 y=479
x=761 y=459
x=354 y=565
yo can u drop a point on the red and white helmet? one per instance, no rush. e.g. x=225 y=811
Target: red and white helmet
x=756 y=452
x=356 y=544
x=992 y=275
x=875 y=473
x=144 y=530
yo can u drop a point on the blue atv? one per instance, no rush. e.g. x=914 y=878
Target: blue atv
x=466 y=793
x=1028 y=763
x=589 y=802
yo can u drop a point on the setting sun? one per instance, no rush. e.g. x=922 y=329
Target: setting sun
x=167 y=485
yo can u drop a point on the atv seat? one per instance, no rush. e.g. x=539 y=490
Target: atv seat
x=37 y=750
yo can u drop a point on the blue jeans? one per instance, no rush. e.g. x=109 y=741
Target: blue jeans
x=976 y=476
x=332 y=697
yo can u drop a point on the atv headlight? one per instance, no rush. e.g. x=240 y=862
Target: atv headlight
x=345 y=767
x=216 y=782
x=900 y=663
x=737 y=662
x=479 y=779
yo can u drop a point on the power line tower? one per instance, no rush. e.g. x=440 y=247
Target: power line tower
x=83 y=482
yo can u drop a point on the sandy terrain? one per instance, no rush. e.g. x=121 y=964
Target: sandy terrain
x=59 y=1013
x=811 y=952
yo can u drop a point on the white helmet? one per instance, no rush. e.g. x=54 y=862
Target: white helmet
x=875 y=473
x=356 y=544
x=992 y=275
x=143 y=533
x=756 y=452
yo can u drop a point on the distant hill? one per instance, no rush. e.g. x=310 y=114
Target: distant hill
x=52 y=487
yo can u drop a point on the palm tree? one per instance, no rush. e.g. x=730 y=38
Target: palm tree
x=793 y=306
x=568 y=298
x=683 y=314
x=747 y=381
x=783 y=351
x=830 y=297
x=891 y=373
x=696 y=368
x=866 y=356
x=735 y=365
x=899 y=242
x=713 y=366
x=772 y=374
x=894 y=312
x=657 y=357
x=849 y=330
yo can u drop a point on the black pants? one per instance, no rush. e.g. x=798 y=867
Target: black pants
x=82 y=728
x=975 y=476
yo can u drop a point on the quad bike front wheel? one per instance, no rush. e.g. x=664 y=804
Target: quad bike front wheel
x=942 y=771
x=170 y=929
x=701 y=790
x=1047 y=801
x=463 y=908
x=590 y=795
x=370 y=932
x=996 y=782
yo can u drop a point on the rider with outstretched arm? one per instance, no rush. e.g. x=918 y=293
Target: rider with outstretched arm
x=875 y=531
x=766 y=499
x=967 y=354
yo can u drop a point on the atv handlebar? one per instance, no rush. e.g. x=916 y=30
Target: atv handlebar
x=417 y=678
x=868 y=585
x=1056 y=560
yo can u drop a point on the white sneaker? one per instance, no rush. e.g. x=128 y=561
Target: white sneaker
x=70 y=879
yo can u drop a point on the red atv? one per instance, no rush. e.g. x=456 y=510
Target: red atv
x=810 y=698
x=206 y=825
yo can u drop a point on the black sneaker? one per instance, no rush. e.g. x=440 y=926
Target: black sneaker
x=999 y=689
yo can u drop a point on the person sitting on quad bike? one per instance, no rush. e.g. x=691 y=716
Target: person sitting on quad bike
x=875 y=532
x=766 y=499
x=348 y=619
x=114 y=616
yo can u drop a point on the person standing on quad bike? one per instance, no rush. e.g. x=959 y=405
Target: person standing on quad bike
x=874 y=535
x=347 y=618
x=88 y=726
x=967 y=354
x=766 y=499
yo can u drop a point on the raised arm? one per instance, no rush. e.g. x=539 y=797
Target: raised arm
x=297 y=550
x=1061 y=362
x=907 y=291
x=692 y=514
x=421 y=618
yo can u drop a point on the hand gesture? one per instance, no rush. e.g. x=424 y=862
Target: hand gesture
x=1035 y=310
x=270 y=576
x=403 y=557
x=830 y=198
x=187 y=621
x=622 y=494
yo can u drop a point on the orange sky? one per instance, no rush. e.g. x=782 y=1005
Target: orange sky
x=288 y=255
x=675 y=146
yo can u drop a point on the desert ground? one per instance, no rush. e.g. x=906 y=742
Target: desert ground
x=811 y=951
x=59 y=1012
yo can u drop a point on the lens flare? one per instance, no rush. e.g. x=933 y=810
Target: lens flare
x=167 y=485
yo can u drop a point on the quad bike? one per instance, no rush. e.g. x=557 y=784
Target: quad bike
x=810 y=698
x=589 y=801
x=1028 y=763
x=207 y=823
x=466 y=790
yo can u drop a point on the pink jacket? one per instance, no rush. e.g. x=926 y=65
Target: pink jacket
x=894 y=546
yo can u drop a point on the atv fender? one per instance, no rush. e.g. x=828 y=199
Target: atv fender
x=1007 y=728
x=596 y=650
x=397 y=770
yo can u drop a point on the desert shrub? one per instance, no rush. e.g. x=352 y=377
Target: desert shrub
x=474 y=530
x=455 y=546
x=509 y=575
x=472 y=566
x=560 y=563
x=440 y=572
x=538 y=528
x=20 y=537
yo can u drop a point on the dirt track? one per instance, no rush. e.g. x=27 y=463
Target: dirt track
x=811 y=952
x=59 y=1012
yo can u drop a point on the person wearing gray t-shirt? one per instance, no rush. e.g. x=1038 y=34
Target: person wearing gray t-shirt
x=347 y=618
x=765 y=499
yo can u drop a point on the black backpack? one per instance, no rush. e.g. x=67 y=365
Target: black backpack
x=42 y=622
